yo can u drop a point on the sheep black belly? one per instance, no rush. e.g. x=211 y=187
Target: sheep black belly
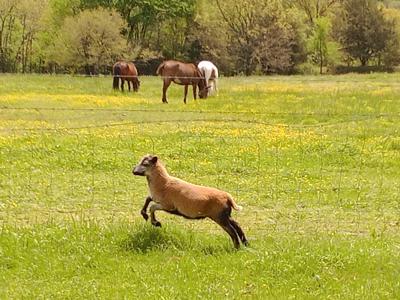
x=176 y=212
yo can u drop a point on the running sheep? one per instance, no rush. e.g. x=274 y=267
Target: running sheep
x=182 y=198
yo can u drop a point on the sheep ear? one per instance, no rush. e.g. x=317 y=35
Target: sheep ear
x=154 y=159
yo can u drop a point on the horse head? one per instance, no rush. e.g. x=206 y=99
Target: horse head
x=202 y=84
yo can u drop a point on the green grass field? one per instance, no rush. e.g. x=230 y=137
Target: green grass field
x=315 y=161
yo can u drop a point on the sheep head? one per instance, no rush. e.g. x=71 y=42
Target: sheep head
x=145 y=165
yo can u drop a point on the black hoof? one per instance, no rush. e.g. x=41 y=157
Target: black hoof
x=156 y=224
x=246 y=243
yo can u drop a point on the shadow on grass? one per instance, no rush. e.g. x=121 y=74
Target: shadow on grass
x=147 y=238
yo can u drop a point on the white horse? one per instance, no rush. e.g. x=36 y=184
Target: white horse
x=210 y=72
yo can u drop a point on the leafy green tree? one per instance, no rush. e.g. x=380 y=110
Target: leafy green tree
x=7 y=32
x=20 y=23
x=322 y=49
x=141 y=15
x=261 y=35
x=315 y=9
x=152 y=23
x=208 y=38
x=61 y=9
x=92 y=39
x=391 y=56
x=30 y=16
x=53 y=20
x=363 y=31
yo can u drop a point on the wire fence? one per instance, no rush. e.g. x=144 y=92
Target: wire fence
x=339 y=174
x=329 y=177
x=207 y=115
x=111 y=76
x=300 y=78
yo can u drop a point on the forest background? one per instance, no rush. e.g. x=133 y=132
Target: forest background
x=241 y=37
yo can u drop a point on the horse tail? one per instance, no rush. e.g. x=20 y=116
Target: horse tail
x=160 y=69
x=117 y=74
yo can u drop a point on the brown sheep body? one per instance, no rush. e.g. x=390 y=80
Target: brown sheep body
x=182 y=198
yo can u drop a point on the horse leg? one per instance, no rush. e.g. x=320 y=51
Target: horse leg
x=115 y=82
x=207 y=84
x=185 y=94
x=135 y=84
x=167 y=82
x=194 y=91
x=212 y=88
x=122 y=84
x=129 y=85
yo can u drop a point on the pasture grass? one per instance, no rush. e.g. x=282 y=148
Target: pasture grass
x=315 y=161
x=125 y=260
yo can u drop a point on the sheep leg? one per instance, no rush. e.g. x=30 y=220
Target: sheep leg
x=153 y=208
x=224 y=222
x=239 y=231
x=232 y=232
x=144 y=209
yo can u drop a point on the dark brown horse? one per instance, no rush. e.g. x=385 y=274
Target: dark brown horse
x=125 y=71
x=183 y=74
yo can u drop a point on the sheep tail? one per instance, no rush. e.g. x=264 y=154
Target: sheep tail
x=233 y=204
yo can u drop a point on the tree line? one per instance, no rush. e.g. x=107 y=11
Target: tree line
x=240 y=37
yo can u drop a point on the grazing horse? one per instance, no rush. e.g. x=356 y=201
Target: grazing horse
x=125 y=71
x=184 y=74
x=210 y=72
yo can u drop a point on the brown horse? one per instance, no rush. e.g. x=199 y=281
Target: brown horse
x=183 y=74
x=125 y=71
